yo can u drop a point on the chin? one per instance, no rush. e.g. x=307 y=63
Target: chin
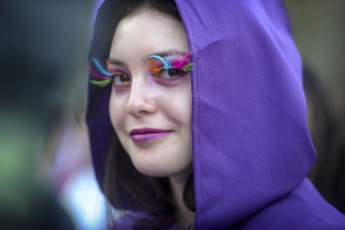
x=153 y=171
x=156 y=161
x=161 y=169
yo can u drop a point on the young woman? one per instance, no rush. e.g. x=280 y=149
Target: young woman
x=197 y=118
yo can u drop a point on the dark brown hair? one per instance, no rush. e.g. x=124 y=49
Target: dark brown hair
x=123 y=185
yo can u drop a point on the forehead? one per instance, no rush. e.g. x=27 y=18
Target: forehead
x=149 y=31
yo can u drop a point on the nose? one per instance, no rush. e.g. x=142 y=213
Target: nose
x=141 y=100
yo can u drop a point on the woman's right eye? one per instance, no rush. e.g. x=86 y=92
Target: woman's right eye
x=121 y=79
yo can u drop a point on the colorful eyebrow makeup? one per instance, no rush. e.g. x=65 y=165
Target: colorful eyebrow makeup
x=103 y=75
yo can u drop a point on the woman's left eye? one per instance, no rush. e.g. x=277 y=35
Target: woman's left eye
x=121 y=79
x=171 y=73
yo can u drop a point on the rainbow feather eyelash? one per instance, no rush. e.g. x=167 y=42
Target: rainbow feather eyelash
x=173 y=61
x=103 y=75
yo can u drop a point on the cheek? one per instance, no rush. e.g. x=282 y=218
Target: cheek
x=180 y=105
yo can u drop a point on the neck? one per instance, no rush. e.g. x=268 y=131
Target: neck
x=184 y=216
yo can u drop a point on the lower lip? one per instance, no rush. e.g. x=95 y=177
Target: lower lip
x=148 y=136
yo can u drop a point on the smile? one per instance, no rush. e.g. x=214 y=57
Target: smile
x=147 y=134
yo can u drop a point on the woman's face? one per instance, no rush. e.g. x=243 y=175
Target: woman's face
x=151 y=114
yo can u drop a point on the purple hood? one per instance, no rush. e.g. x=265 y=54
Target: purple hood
x=251 y=146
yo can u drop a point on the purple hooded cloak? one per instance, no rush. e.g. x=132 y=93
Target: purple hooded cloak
x=251 y=146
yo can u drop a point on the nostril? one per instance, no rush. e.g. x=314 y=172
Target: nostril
x=140 y=104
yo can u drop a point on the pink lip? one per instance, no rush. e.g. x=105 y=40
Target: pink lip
x=147 y=134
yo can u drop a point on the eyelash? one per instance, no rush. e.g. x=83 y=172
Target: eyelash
x=103 y=75
x=173 y=65
x=172 y=62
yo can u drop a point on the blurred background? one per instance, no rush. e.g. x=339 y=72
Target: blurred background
x=46 y=181
x=319 y=31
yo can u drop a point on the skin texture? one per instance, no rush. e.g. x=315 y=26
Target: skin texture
x=144 y=101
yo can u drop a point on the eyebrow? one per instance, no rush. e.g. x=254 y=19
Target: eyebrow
x=162 y=54
x=167 y=53
x=117 y=62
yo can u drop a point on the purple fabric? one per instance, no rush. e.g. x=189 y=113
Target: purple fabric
x=251 y=145
x=303 y=208
x=249 y=122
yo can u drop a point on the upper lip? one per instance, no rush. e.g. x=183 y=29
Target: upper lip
x=146 y=130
